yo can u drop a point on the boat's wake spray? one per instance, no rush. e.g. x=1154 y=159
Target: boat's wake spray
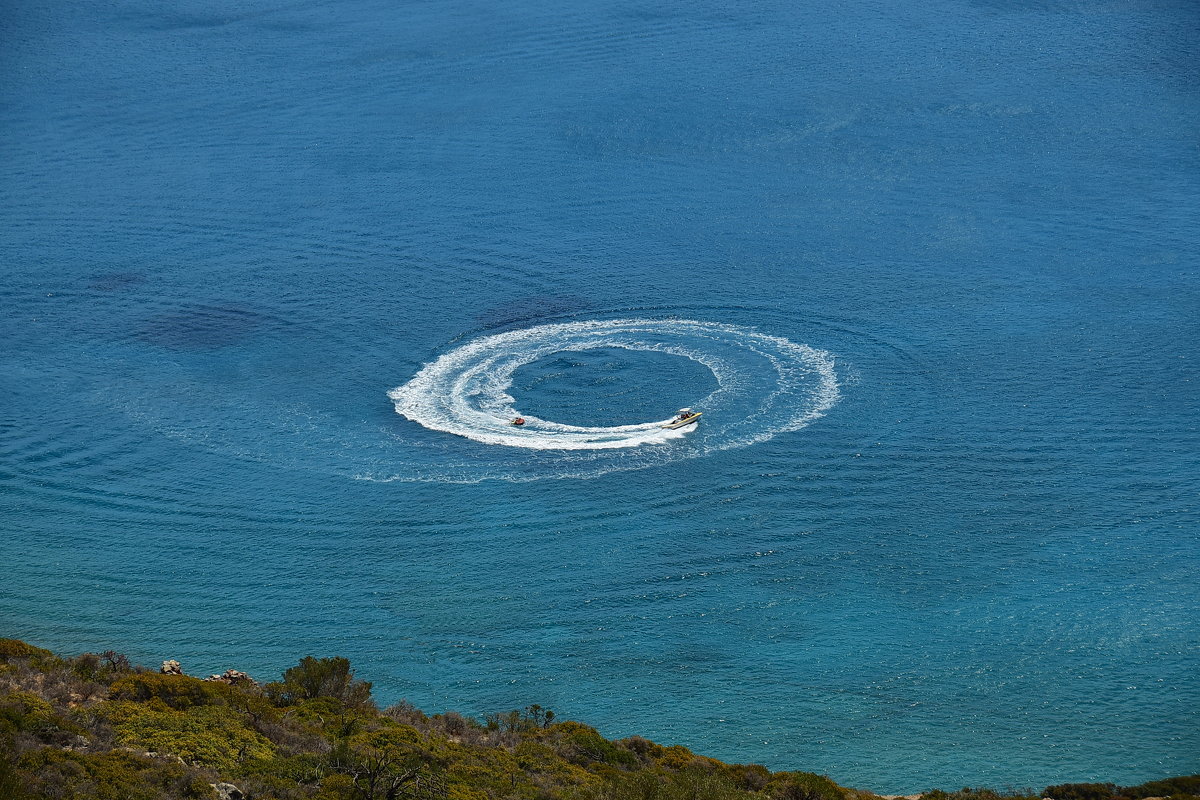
x=766 y=385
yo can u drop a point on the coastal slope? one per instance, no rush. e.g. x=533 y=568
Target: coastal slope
x=96 y=726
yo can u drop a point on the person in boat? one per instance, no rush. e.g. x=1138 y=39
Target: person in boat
x=684 y=413
x=519 y=421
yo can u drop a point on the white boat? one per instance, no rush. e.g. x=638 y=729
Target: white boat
x=686 y=417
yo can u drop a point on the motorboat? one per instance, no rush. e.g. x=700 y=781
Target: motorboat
x=685 y=416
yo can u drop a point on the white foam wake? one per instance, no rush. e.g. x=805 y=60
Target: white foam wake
x=765 y=385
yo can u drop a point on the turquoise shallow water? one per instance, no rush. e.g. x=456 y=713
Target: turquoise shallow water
x=929 y=268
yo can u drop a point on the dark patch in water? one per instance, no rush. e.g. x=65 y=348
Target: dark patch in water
x=268 y=19
x=202 y=328
x=112 y=281
x=529 y=309
x=1033 y=6
x=182 y=21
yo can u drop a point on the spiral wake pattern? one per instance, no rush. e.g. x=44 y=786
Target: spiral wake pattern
x=766 y=385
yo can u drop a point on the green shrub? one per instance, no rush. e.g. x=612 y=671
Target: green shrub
x=967 y=793
x=675 y=757
x=102 y=667
x=21 y=711
x=582 y=745
x=749 y=777
x=115 y=775
x=1185 y=785
x=212 y=736
x=26 y=712
x=302 y=768
x=15 y=648
x=322 y=677
x=399 y=741
x=176 y=691
x=16 y=651
x=408 y=714
x=11 y=785
x=646 y=750
x=542 y=766
x=1081 y=791
x=336 y=787
x=329 y=717
x=803 y=786
x=377 y=772
x=508 y=721
x=692 y=783
x=486 y=773
x=698 y=782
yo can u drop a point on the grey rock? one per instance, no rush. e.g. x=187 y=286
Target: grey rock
x=234 y=678
x=227 y=791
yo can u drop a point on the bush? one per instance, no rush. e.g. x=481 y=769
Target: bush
x=1183 y=786
x=322 y=677
x=406 y=713
x=803 y=786
x=967 y=793
x=25 y=712
x=643 y=748
x=675 y=756
x=693 y=783
x=696 y=782
x=581 y=745
x=11 y=784
x=176 y=691
x=282 y=778
x=329 y=717
x=104 y=667
x=749 y=777
x=14 y=650
x=109 y=776
x=211 y=736
x=450 y=723
x=1082 y=791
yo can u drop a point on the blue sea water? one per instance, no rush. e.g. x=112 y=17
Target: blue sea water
x=930 y=269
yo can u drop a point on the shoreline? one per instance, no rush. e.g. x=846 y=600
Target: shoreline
x=230 y=737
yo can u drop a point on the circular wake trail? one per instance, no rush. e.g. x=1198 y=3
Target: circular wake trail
x=766 y=385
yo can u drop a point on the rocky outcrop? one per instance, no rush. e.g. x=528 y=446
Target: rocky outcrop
x=153 y=754
x=234 y=678
x=227 y=791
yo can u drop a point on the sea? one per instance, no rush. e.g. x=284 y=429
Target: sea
x=275 y=277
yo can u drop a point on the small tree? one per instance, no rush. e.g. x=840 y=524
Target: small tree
x=385 y=771
x=377 y=773
x=540 y=717
x=325 y=677
x=509 y=722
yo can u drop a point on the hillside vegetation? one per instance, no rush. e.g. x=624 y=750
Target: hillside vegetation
x=94 y=727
